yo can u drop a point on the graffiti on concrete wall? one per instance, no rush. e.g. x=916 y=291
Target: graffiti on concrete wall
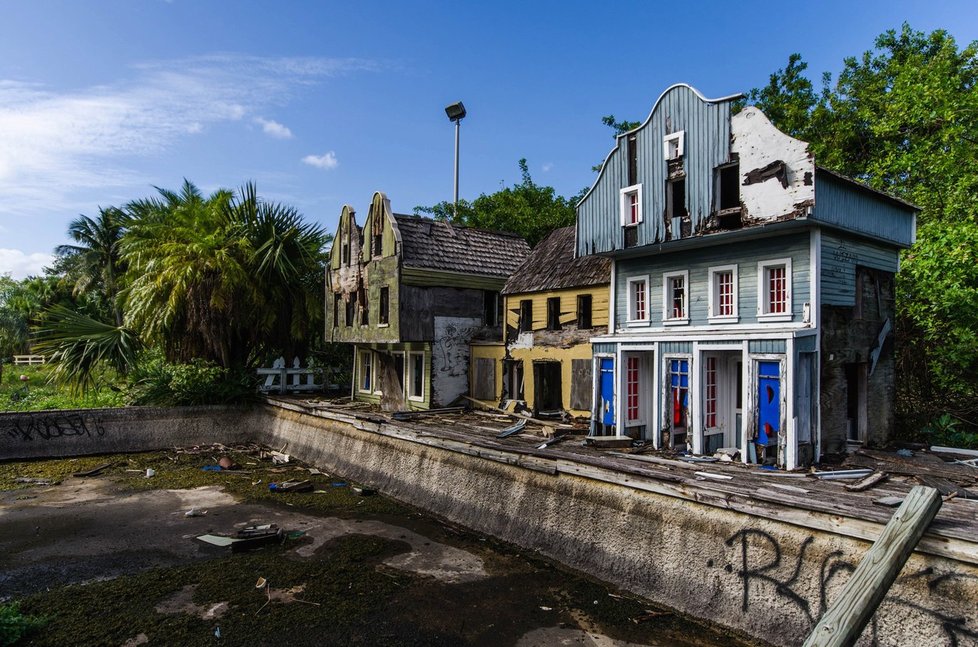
x=48 y=427
x=757 y=560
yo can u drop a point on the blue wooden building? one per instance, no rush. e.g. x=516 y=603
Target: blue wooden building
x=752 y=292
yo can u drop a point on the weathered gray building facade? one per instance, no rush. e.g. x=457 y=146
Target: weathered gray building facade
x=752 y=292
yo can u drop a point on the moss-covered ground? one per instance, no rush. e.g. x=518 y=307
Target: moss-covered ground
x=350 y=597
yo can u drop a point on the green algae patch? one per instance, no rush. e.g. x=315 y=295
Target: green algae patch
x=16 y=475
x=337 y=593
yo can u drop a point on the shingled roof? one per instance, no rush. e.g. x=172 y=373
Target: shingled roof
x=438 y=245
x=552 y=266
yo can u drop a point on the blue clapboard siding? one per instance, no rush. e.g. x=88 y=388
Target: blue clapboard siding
x=766 y=346
x=848 y=205
x=806 y=344
x=683 y=347
x=745 y=255
x=840 y=256
x=707 y=145
x=605 y=349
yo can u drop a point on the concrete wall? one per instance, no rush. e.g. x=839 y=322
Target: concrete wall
x=769 y=579
x=56 y=434
x=757 y=573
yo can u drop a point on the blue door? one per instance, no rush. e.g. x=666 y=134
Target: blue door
x=606 y=385
x=769 y=402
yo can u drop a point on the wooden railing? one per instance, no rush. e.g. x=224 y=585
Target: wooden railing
x=28 y=359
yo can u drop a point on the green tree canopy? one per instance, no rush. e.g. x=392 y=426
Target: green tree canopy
x=903 y=117
x=527 y=209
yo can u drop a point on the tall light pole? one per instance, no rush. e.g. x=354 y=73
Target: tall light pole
x=456 y=112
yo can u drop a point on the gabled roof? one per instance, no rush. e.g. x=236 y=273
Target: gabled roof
x=438 y=245
x=552 y=266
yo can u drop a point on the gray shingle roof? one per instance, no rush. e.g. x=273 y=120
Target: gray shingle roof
x=439 y=246
x=552 y=266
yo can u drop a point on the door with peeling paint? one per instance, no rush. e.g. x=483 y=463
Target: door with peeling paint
x=768 y=406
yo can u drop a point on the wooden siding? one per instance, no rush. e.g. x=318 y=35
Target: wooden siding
x=806 y=344
x=426 y=278
x=566 y=357
x=840 y=256
x=675 y=347
x=775 y=346
x=492 y=352
x=847 y=205
x=707 y=145
x=568 y=307
x=604 y=348
x=745 y=255
x=582 y=386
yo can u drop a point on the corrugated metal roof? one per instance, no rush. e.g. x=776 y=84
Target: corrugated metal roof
x=438 y=245
x=552 y=266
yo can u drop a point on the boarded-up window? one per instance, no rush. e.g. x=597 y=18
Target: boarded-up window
x=364 y=310
x=350 y=304
x=492 y=307
x=581 y=385
x=485 y=379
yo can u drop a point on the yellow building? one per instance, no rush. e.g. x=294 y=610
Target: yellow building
x=553 y=304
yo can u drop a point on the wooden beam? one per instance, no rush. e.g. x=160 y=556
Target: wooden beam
x=845 y=620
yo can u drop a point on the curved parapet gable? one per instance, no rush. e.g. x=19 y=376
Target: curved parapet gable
x=380 y=233
x=683 y=124
x=777 y=171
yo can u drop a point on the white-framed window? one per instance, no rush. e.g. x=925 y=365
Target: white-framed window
x=774 y=290
x=631 y=205
x=723 y=294
x=675 y=298
x=366 y=371
x=415 y=376
x=638 y=299
x=673 y=145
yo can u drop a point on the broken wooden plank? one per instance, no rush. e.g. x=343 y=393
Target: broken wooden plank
x=873 y=479
x=845 y=620
x=420 y=413
x=946 y=487
x=843 y=474
x=516 y=416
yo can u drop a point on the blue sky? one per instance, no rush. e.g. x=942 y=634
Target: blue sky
x=323 y=103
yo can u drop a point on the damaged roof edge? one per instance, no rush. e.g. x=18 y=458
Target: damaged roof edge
x=699 y=95
x=857 y=184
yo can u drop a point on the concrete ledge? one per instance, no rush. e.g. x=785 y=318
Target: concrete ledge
x=79 y=432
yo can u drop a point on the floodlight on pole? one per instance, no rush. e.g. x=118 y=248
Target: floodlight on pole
x=456 y=112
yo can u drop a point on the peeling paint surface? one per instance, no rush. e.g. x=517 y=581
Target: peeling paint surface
x=776 y=170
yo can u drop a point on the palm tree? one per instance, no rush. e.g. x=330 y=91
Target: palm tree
x=94 y=263
x=224 y=277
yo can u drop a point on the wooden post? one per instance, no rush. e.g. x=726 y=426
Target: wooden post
x=845 y=620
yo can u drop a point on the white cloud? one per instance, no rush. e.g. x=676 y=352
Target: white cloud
x=274 y=128
x=327 y=161
x=20 y=265
x=546 y=167
x=55 y=144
